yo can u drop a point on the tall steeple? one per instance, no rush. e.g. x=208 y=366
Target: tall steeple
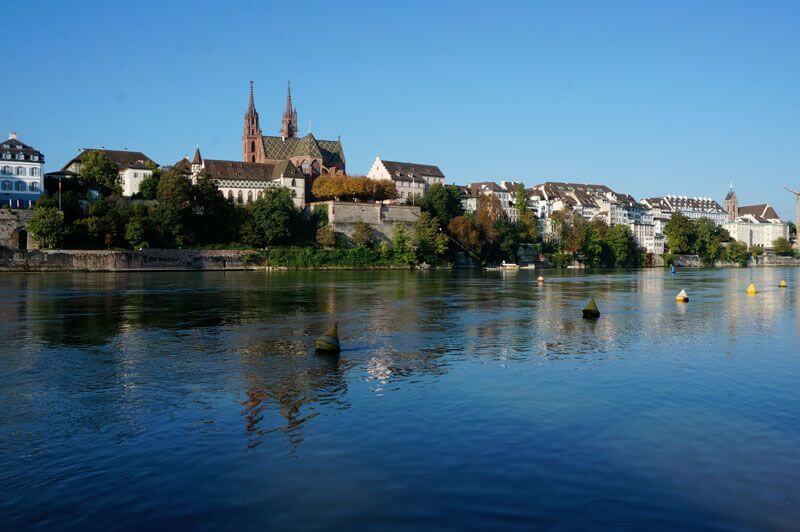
x=289 y=121
x=731 y=203
x=251 y=139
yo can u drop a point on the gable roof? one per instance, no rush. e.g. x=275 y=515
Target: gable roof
x=278 y=148
x=125 y=159
x=183 y=166
x=401 y=171
x=245 y=171
x=762 y=210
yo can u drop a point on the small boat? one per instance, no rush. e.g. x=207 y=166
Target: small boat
x=510 y=266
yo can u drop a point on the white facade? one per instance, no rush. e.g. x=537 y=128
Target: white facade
x=758 y=233
x=21 y=177
x=646 y=236
x=410 y=179
x=134 y=167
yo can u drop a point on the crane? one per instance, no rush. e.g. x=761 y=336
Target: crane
x=796 y=209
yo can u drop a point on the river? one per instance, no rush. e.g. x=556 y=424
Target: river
x=461 y=400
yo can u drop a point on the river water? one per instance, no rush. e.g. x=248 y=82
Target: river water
x=460 y=401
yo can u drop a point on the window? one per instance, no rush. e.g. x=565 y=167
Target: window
x=6 y=155
x=34 y=157
x=239 y=197
x=230 y=194
x=34 y=171
x=249 y=196
x=6 y=185
x=20 y=157
x=20 y=170
x=7 y=170
x=34 y=187
x=20 y=186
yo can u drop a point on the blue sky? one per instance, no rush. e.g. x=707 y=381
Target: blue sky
x=650 y=98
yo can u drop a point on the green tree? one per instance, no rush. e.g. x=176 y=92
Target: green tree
x=575 y=236
x=781 y=246
x=213 y=217
x=402 y=247
x=274 y=215
x=175 y=208
x=362 y=234
x=737 y=252
x=100 y=173
x=679 y=231
x=623 y=246
x=429 y=244
x=442 y=202
x=148 y=188
x=326 y=237
x=47 y=227
x=707 y=241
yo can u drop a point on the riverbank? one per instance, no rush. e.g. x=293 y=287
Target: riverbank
x=274 y=258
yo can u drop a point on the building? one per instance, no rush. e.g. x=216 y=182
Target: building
x=21 y=179
x=757 y=225
x=693 y=208
x=310 y=155
x=244 y=182
x=410 y=179
x=731 y=204
x=505 y=192
x=134 y=167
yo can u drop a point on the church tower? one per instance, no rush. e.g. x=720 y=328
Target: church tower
x=252 y=143
x=289 y=121
x=731 y=204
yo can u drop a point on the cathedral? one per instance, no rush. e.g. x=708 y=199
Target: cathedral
x=311 y=155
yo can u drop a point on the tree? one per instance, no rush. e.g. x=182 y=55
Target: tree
x=623 y=246
x=467 y=233
x=362 y=234
x=148 y=188
x=679 y=231
x=781 y=246
x=737 y=252
x=489 y=211
x=337 y=186
x=175 y=207
x=100 y=173
x=402 y=248
x=575 y=236
x=274 y=215
x=212 y=215
x=530 y=225
x=707 y=241
x=428 y=241
x=326 y=237
x=47 y=227
x=442 y=202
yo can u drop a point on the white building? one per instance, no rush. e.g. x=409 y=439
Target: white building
x=505 y=192
x=757 y=225
x=21 y=179
x=410 y=179
x=244 y=182
x=693 y=208
x=134 y=167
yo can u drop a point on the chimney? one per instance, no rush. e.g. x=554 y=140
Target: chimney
x=12 y=135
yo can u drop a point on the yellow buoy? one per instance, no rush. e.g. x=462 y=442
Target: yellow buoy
x=540 y=279
x=782 y=284
x=329 y=342
x=683 y=297
x=590 y=311
x=752 y=289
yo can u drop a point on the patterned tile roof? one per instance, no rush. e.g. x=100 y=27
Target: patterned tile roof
x=330 y=151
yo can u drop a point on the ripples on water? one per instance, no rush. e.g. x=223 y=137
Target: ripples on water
x=461 y=400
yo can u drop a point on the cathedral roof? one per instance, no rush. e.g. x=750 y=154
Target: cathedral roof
x=330 y=151
x=245 y=171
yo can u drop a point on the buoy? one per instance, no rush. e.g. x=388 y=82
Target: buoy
x=329 y=342
x=590 y=311
x=752 y=289
x=682 y=297
x=540 y=279
x=782 y=284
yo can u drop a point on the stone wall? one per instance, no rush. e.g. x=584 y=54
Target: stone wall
x=14 y=229
x=381 y=218
x=144 y=260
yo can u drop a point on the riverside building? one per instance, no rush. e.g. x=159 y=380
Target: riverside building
x=21 y=179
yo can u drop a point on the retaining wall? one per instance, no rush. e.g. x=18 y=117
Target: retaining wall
x=144 y=260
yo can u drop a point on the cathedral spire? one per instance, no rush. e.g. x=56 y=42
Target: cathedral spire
x=251 y=138
x=289 y=121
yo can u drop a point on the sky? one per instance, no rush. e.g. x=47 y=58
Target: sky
x=650 y=98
